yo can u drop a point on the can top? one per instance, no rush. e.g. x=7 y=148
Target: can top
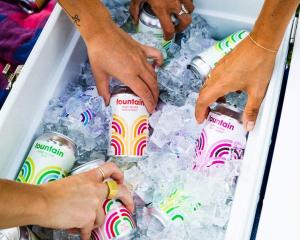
x=229 y=111
x=121 y=89
x=60 y=138
x=199 y=67
x=87 y=166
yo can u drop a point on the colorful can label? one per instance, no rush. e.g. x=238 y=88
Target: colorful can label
x=86 y=115
x=51 y=158
x=223 y=138
x=213 y=55
x=129 y=128
x=118 y=222
x=175 y=208
x=207 y=60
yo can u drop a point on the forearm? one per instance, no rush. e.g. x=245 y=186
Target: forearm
x=271 y=24
x=91 y=17
x=20 y=204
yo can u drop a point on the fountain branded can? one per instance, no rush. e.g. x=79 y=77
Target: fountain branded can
x=17 y=233
x=222 y=139
x=118 y=223
x=149 y=23
x=129 y=128
x=51 y=157
x=203 y=63
x=175 y=208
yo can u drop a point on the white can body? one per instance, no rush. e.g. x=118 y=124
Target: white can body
x=47 y=161
x=129 y=129
x=223 y=138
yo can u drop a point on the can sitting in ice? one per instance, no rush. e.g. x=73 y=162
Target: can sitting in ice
x=176 y=208
x=223 y=138
x=118 y=223
x=149 y=23
x=129 y=128
x=51 y=157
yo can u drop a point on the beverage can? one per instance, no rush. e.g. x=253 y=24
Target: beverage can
x=129 y=127
x=88 y=166
x=51 y=157
x=17 y=233
x=118 y=223
x=222 y=139
x=149 y=23
x=203 y=63
x=175 y=208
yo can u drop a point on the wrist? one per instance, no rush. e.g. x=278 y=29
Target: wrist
x=96 y=24
x=39 y=208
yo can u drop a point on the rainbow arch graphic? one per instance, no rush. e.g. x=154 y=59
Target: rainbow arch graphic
x=95 y=235
x=201 y=143
x=119 y=126
x=139 y=145
x=113 y=222
x=118 y=144
x=27 y=172
x=86 y=117
x=140 y=126
x=49 y=174
x=219 y=152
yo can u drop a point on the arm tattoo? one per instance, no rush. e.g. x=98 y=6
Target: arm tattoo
x=75 y=18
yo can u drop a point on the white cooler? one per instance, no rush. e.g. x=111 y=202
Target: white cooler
x=56 y=58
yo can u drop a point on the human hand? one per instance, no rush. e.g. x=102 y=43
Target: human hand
x=247 y=68
x=76 y=202
x=115 y=53
x=164 y=9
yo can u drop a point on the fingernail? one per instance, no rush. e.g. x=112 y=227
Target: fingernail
x=250 y=126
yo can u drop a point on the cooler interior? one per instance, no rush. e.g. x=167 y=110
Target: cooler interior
x=56 y=59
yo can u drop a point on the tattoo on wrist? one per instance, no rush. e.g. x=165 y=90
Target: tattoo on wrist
x=75 y=18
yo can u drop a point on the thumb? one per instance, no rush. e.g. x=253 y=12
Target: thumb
x=102 y=83
x=251 y=111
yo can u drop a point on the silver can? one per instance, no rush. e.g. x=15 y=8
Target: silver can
x=149 y=23
x=203 y=63
x=88 y=166
x=17 y=233
x=31 y=6
x=51 y=157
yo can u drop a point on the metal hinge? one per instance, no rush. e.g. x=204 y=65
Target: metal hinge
x=10 y=75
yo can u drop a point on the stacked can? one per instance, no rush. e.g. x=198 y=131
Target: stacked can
x=176 y=208
x=149 y=23
x=51 y=158
x=17 y=233
x=129 y=128
x=118 y=223
x=222 y=139
x=203 y=63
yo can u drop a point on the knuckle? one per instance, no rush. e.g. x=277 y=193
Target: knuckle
x=252 y=112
